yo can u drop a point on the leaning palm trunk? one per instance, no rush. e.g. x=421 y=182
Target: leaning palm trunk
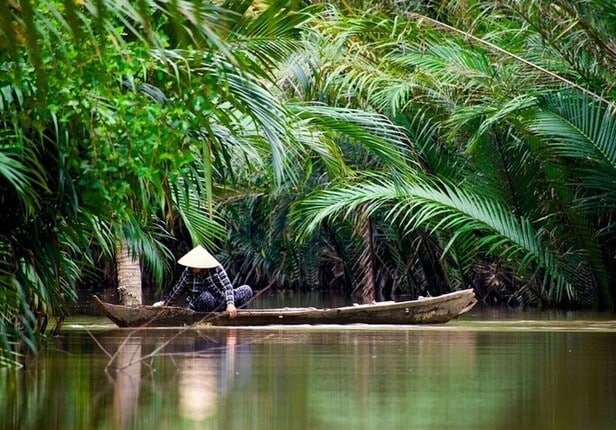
x=129 y=276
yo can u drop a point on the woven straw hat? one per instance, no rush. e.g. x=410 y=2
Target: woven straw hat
x=199 y=258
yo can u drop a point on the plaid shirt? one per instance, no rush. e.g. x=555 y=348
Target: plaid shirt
x=214 y=280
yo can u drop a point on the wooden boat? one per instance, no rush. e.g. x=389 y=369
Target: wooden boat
x=430 y=310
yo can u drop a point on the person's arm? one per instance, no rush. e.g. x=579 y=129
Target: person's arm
x=225 y=282
x=178 y=288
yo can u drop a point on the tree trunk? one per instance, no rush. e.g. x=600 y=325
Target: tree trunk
x=129 y=276
x=366 y=289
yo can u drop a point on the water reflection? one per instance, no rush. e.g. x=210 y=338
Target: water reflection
x=197 y=388
x=126 y=382
x=461 y=376
x=365 y=380
x=203 y=378
x=202 y=368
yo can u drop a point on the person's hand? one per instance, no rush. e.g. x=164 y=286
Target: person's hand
x=157 y=304
x=231 y=310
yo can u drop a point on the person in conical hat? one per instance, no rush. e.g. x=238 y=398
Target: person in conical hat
x=207 y=285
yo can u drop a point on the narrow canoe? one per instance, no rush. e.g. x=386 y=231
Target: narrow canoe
x=430 y=310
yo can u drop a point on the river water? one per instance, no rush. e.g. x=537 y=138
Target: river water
x=490 y=369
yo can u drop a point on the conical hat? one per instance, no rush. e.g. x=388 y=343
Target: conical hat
x=199 y=258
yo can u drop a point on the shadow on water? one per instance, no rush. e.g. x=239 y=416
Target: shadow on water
x=492 y=369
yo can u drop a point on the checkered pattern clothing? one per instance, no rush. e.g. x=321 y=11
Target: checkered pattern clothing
x=214 y=281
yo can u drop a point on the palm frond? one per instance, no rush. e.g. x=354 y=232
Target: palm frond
x=502 y=51
x=380 y=136
x=16 y=174
x=442 y=208
x=489 y=115
x=267 y=35
x=202 y=228
x=580 y=129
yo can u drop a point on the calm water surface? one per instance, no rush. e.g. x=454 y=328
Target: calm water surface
x=489 y=370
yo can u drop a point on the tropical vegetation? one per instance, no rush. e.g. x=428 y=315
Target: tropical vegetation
x=380 y=148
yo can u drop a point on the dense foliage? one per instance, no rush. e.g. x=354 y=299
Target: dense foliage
x=378 y=147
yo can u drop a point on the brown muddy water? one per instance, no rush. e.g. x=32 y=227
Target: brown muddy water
x=489 y=370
